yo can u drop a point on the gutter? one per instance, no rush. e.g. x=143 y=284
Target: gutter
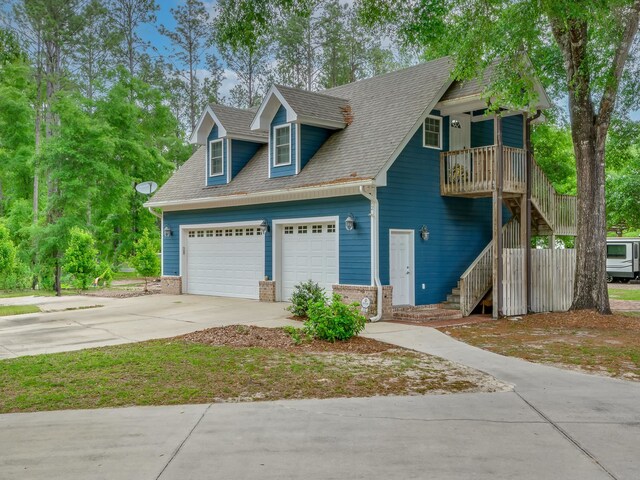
x=375 y=270
x=256 y=197
x=154 y=213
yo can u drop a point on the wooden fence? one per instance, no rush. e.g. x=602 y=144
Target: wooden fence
x=552 y=273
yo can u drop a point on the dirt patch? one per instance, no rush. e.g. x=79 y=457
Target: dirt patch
x=582 y=340
x=124 y=289
x=251 y=336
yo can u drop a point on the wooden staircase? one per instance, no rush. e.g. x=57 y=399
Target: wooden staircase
x=471 y=173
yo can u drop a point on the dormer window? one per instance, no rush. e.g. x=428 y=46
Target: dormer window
x=282 y=145
x=215 y=158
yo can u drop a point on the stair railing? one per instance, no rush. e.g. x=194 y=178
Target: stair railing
x=476 y=281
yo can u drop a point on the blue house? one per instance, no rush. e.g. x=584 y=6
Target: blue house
x=392 y=188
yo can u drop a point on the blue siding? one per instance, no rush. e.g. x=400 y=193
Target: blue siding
x=512 y=131
x=482 y=132
x=459 y=227
x=355 y=246
x=285 y=170
x=241 y=153
x=311 y=139
x=220 y=179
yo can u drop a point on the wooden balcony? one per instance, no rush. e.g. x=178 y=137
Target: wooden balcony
x=472 y=172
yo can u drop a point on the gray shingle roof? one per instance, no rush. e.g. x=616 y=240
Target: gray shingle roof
x=237 y=121
x=385 y=111
x=314 y=104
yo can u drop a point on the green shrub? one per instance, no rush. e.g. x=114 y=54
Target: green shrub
x=80 y=258
x=145 y=260
x=7 y=251
x=106 y=277
x=298 y=335
x=304 y=293
x=334 y=321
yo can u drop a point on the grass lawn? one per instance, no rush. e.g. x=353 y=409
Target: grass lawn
x=178 y=371
x=126 y=276
x=605 y=344
x=627 y=294
x=26 y=293
x=17 y=309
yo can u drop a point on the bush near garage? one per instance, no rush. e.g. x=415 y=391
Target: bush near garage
x=335 y=320
x=303 y=293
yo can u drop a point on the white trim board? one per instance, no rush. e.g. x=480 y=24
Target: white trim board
x=302 y=193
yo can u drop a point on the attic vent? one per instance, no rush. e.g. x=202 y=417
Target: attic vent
x=347 y=114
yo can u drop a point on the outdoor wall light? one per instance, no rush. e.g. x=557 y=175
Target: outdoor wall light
x=167 y=231
x=424 y=233
x=350 y=222
x=264 y=227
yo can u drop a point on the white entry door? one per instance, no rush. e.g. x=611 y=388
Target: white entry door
x=459 y=132
x=460 y=139
x=307 y=251
x=401 y=266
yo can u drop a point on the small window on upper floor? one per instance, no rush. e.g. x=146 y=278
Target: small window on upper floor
x=215 y=158
x=282 y=145
x=432 y=132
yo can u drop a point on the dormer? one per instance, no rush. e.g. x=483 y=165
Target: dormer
x=230 y=143
x=297 y=123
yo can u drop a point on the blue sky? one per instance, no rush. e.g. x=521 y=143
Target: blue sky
x=161 y=43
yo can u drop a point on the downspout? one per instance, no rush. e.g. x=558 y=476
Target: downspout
x=375 y=270
x=154 y=213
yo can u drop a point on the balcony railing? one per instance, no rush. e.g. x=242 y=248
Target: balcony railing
x=472 y=171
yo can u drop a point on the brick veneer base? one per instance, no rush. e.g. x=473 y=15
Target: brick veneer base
x=171 y=285
x=355 y=293
x=267 y=291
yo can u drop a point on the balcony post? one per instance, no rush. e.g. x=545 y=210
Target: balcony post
x=497 y=220
x=529 y=167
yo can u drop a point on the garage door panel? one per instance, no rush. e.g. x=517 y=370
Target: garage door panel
x=225 y=261
x=308 y=253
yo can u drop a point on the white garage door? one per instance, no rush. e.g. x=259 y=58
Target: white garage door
x=308 y=252
x=228 y=262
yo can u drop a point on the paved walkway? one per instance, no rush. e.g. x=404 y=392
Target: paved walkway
x=125 y=320
x=555 y=424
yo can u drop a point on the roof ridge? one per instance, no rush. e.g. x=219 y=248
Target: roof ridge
x=387 y=74
x=229 y=107
x=313 y=92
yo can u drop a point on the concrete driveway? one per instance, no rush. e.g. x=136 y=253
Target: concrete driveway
x=555 y=424
x=123 y=320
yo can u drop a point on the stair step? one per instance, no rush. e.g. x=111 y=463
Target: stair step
x=425 y=315
x=452 y=298
x=456 y=291
x=451 y=306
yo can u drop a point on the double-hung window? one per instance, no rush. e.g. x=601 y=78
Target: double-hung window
x=432 y=132
x=215 y=158
x=282 y=145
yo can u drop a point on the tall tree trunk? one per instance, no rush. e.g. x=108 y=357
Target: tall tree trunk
x=590 y=289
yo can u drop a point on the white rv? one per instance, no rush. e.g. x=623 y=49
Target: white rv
x=622 y=259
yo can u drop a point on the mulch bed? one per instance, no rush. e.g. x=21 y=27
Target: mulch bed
x=583 y=319
x=252 y=336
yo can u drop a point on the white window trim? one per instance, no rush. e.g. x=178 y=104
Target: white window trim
x=273 y=153
x=211 y=142
x=434 y=117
